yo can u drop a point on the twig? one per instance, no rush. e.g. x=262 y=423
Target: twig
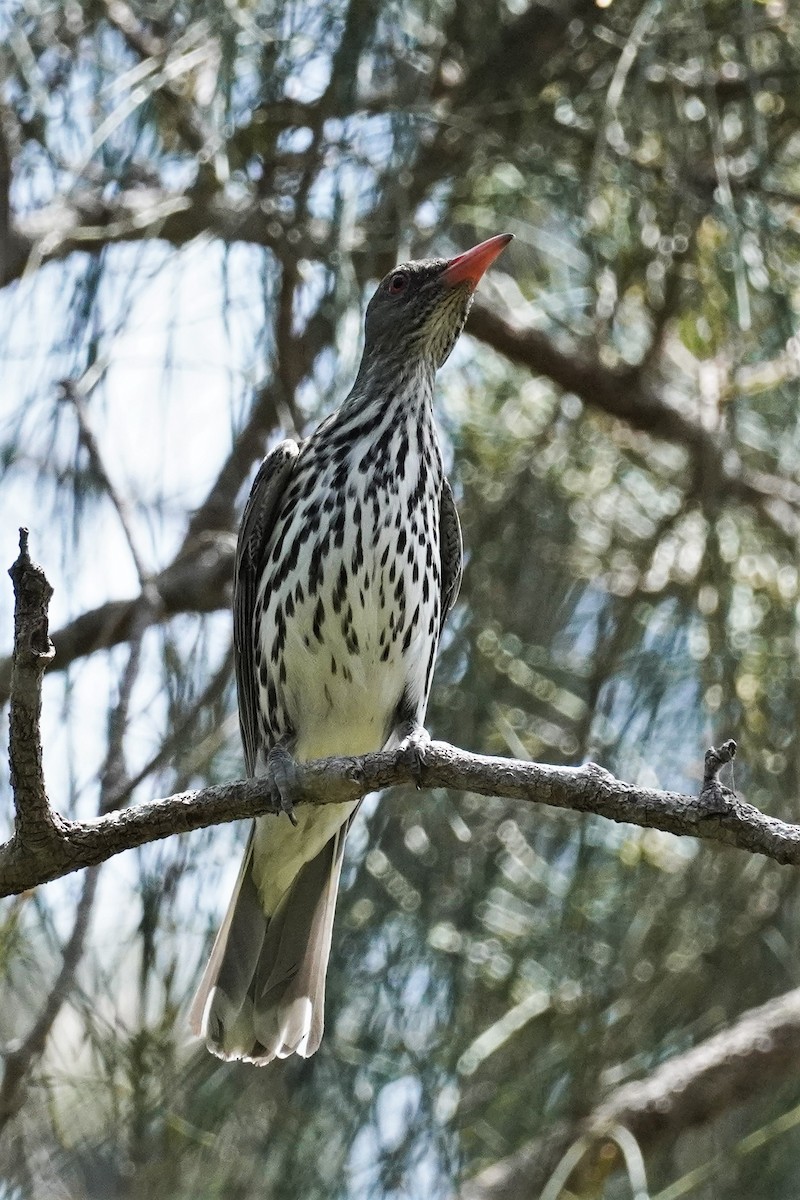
x=34 y=821
x=197 y=136
x=180 y=734
x=114 y=777
x=19 y=1060
x=72 y=392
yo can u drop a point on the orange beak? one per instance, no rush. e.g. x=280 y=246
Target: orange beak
x=470 y=266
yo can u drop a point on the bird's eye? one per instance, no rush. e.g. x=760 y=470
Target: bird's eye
x=397 y=284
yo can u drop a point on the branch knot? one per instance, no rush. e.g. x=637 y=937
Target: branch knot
x=715 y=799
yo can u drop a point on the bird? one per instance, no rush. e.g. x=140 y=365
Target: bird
x=349 y=559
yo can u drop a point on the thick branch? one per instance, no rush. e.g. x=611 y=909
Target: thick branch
x=331 y=781
x=621 y=392
x=756 y=1052
x=629 y=395
x=10 y=247
x=91 y=222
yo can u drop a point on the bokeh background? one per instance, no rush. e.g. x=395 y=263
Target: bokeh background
x=196 y=199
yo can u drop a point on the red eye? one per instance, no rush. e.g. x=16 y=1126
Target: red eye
x=397 y=284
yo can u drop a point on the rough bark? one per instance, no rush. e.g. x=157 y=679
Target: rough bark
x=729 y=821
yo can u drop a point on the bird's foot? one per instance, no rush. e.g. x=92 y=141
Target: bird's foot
x=282 y=771
x=414 y=741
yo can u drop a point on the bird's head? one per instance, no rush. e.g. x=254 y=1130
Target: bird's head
x=420 y=308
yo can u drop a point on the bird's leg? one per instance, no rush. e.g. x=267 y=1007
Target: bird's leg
x=413 y=741
x=282 y=771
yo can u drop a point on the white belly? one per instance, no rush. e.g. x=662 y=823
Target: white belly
x=347 y=710
x=345 y=643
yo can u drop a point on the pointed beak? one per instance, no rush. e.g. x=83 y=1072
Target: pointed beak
x=470 y=266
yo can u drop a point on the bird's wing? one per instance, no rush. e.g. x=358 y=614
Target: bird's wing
x=451 y=550
x=257 y=524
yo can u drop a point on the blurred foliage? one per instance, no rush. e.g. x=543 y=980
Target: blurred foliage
x=202 y=196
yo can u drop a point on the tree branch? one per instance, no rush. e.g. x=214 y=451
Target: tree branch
x=73 y=394
x=195 y=134
x=628 y=395
x=11 y=247
x=269 y=411
x=90 y=222
x=45 y=846
x=198 y=581
x=757 y=1051
x=78 y=844
x=34 y=821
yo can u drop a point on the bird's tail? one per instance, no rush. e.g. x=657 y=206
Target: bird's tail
x=262 y=995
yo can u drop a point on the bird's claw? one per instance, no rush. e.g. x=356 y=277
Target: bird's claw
x=283 y=779
x=412 y=748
